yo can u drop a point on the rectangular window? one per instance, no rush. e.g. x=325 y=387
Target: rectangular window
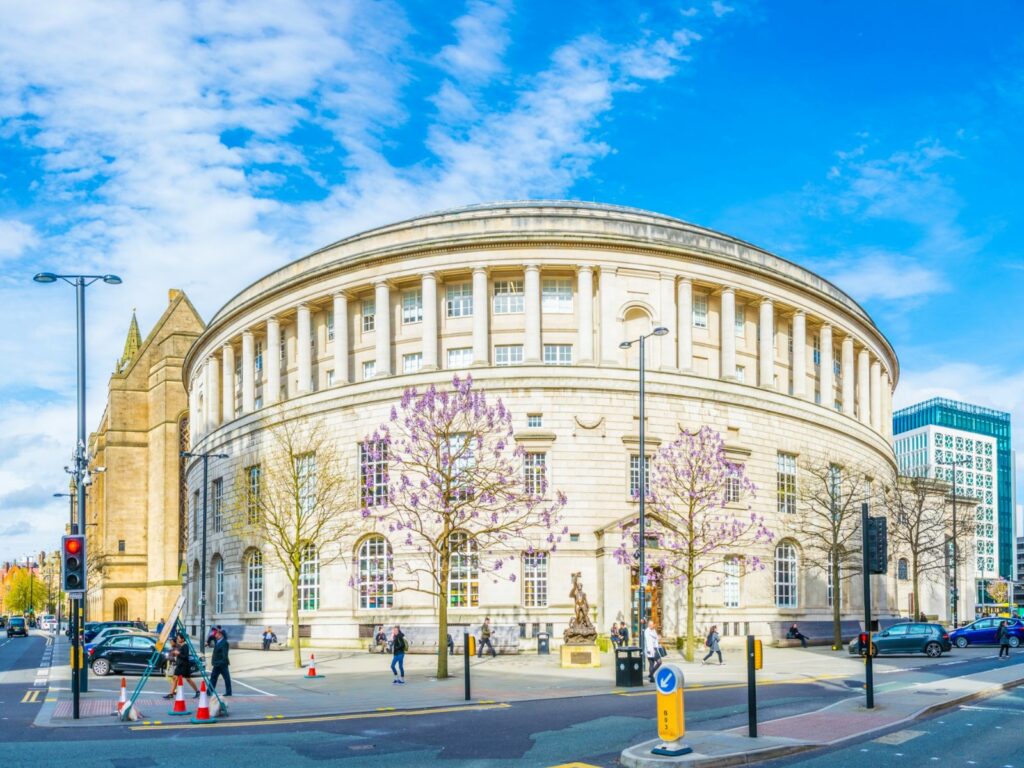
x=369 y=307
x=741 y=320
x=330 y=378
x=305 y=475
x=509 y=297
x=459 y=300
x=508 y=354
x=195 y=513
x=700 y=310
x=535 y=473
x=558 y=354
x=252 y=501
x=284 y=352
x=787 y=483
x=373 y=469
x=741 y=374
x=785 y=576
x=369 y=369
x=461 y=357
x=534 y=420
x=837 y=364
x=217 y=503
x=556 y=296
x=412 y=362
x=731 y=583
x=258 y=403
x=259 y=358
x=816 y=342
x=535 y=579
x=464 y=577
x=412 y=307
x=330 y=325
x=732 y=489
x=120 y=545
x=634 y=476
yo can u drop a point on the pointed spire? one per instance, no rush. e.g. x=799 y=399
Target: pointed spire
x=131 y=344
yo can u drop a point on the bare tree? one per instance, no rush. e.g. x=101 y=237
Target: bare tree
x=300 y=500
x=828 y=524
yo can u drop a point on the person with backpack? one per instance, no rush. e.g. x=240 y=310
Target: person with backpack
x=711 y=643
x=398 y=646
x=1003 y=638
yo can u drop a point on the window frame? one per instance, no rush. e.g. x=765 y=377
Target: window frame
x=458 y=300
x=512 y=354
x=254 y=581
x=556 y=296
x=557 y=357
x=786 y=482
x=375 y=573
x=786 y=592
x=509 y=296
x=412 y=311
x=535 y=472
x=309 y=578
x=464 y=572
x=536 y=566
x=368 y=313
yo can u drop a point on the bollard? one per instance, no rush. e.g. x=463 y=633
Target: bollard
x=468 y=647
x=668 y=681
x=754 y=663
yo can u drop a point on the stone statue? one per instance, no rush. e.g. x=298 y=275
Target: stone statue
x=581 y=630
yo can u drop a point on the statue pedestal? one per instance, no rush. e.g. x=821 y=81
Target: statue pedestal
x=580 y=656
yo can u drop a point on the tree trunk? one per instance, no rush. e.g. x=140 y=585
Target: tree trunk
x=917 y=595
x=691 y=628
x=837 y=628
x=296 y=650
x=442 y=619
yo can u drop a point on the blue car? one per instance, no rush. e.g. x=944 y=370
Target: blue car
x=983 y=632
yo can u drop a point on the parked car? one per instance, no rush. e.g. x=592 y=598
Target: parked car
x=929 y=639
x=983 y=632
x=127 y=654
x=92 y=629
x=106 y=633
x=17 y=626
x=48 y=623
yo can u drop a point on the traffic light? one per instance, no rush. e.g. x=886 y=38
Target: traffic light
x=863 y=643
x=73 y=563
x=878 y=545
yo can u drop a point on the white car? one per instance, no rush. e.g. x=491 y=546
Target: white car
x=48 y=623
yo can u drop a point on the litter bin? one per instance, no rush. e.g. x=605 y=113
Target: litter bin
x=543 y=643
x=629 y=667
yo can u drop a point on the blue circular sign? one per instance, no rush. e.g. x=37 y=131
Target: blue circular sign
x=666 y=680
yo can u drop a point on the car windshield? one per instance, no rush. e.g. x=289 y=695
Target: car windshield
x=17 y=621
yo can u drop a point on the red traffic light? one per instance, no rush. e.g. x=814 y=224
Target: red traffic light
x=72 y=545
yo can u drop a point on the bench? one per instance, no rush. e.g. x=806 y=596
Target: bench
x=248 y=637
x=422 y=638
x=817 y=632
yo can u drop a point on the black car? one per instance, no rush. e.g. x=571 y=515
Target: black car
x=92 y=629
x=16 y=626
x=127 y=655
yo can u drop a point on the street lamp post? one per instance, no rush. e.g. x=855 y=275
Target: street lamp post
x=202 y=567
x=642 y=600
x=80 y=681
x=963 y=461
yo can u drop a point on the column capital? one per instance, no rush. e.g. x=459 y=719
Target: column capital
x=585 y=268
x=531 y=266
x=685 y=279
x=723 y=290
x=342 y=293
x=766 y=300
x=481 y=271
x=273 y=320
x=384 y=283
x=303 y=305
x=429 y=275
x=227 y=346
x=247 y=332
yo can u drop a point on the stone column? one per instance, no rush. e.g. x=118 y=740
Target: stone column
x=248 y=372
x=195 y=419
x=684 y=319
x=826 y=372
x=531 y=302
x=886 y=405
x=610 y=340
x=585 y=292
x=341 y=327
x=428 y=286
x=876 y=395
x=382 y=327
x=848 y=392
x=766 y=353
x=863 y=387
x=213 y=399
x=272 y=362
x=481 y=317
x=228 y=381
x=303 y=354
x=800 y=354
x=727 y=327
x=668 y=345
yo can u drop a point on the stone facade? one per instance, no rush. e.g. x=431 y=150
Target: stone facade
x=135 y=539
x=533 y=299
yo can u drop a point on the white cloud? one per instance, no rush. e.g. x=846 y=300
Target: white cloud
x=881 y=275
x=481 y=42
x=720 y=9
x=15 y=238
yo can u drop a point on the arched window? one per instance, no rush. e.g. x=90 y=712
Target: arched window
x=464 y=576
x=218 y=584
x=120 y=609
x=785 y=575
x=901 y=569
x=309 y=579
x=254 y=582
x=375 y=573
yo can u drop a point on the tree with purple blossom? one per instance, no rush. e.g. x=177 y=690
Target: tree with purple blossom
x=445 y=477
x=696 y=498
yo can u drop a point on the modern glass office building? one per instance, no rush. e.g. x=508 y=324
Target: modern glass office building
x=964 y=417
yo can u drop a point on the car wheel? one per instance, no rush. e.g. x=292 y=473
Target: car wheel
x=1014 y=641
x=933 y=650
x=101 y=667
x=961 y=642
x=874 y=650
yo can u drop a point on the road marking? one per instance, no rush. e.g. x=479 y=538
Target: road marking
x=253 y=688
x=327 y=718
x=31 y=697
x=993 y=709
x=574 y=765
x=898 y=737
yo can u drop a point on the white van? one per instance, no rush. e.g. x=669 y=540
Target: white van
x=48 y=623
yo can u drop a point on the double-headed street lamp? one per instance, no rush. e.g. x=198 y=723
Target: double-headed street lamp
x=202 y=568
x=964 y=461
x=80 y=472
x=659 y=331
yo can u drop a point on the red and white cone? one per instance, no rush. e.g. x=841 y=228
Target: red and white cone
x=179 y=707
x=124 y=697
x=203 y=710
x=311 y=672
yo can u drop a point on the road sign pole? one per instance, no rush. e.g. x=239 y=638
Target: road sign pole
x=751 y=688
x=465 y=656
x=668 y=682
x=869 y=678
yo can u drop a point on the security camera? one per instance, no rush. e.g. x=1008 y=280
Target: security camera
x=87 y=478
x=99 y=470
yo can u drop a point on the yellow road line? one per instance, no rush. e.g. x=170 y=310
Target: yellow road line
x=701 y=688
x=327 y=718
x=31 y=697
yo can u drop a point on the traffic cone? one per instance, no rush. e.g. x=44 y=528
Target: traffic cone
x=179 y=707
x=311 y=672
x=202 y=715
x=124 y=697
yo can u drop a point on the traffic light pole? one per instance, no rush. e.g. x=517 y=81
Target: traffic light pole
x=869 y=679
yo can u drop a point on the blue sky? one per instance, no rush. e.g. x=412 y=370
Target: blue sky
x=199 y=145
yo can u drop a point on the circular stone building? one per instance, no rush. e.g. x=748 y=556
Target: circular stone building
x=533 y=299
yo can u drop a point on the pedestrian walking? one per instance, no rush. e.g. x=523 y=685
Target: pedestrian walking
x=182 y=667
x=169 y=663
x=711 y=643
x=398 y=647
x=623 y=635
x=219 y=662
x=1003 y=638
x=794 y=633
x=652 y=649
x=451 y=644
x=485 y=639
x=160 y=626
x=613 y=635
x=268 y=638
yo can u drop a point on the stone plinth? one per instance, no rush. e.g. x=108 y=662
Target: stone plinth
x=581 y=656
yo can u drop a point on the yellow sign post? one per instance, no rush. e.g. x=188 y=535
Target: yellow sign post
x=671 y=716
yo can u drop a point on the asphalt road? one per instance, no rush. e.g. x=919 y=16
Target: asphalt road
x=589 y=730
